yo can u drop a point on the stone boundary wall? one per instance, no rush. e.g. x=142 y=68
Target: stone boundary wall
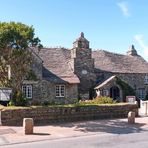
x=44 y=115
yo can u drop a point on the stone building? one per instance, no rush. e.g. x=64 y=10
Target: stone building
x=63 y=75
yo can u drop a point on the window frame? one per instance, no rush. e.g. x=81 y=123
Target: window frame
x=146 y=79
x=105 y=92
x=141 y=93
x=27 y=90
x=60 y=91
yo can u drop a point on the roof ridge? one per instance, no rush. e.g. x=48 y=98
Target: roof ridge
x=110 y=52
x=55 y=47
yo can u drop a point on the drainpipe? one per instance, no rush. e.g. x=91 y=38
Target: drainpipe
x=9 y=72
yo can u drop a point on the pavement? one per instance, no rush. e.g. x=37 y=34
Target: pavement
x=14 y=134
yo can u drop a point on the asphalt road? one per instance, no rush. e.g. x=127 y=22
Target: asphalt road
x=132 y=140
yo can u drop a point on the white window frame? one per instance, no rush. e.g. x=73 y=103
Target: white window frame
x=60 y=90
x=146 y=79
x=105 y=92
x=141 y=93
x=27 y=91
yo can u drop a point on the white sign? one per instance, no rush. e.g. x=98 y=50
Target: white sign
x=130 y=99
x=144 y=107
x=5 y=94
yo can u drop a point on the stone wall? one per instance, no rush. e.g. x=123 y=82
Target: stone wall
x=63 y=114
x=136 y=80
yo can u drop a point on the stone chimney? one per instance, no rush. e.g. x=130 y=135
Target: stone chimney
x=132 y=51
x=81 y=42
x=82 y=64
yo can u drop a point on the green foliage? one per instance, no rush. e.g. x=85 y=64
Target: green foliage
x=104 y=100
x=18 y=100
x=15 y=42
x=31 y=75
x=99 y=100
x=46 y=103
x=11 y=103
x=17 y=36
x=127 y=90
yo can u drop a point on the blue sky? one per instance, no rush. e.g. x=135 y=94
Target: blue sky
x=111 y=25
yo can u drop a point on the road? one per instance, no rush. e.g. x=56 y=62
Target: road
x=132 y=140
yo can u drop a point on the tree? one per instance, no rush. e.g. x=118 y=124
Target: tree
x=16 y=41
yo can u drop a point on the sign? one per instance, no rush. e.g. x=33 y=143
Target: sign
x=5 y=94
x=130 y=99
x=144 y=107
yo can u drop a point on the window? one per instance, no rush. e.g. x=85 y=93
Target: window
x=60 y=91
x=146 y=80
x=27 y=91
x=141 y=93
x=105 y=92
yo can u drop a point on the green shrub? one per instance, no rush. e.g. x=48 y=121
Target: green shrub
x=104 y=100
x=99 y=100
x=127 y=90
x=11 y=103
x=18 y=100
x=45 y=103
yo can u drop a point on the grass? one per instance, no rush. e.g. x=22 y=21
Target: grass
x=101 y=101
x=58 y=106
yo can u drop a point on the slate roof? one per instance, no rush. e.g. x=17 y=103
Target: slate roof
x=118 y=63
x=56 y=65
x=105 y=82
x=57 y=68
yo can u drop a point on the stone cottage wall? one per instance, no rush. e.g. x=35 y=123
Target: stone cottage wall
x=63 y=114
x=71 y=93
x=44 y=91
x=37 y=90
x=37 y=66
x=135 y=80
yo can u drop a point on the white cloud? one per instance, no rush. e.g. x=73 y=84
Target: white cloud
x=124 y=8
x=140 y=41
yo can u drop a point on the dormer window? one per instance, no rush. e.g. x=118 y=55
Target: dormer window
x=146 y=80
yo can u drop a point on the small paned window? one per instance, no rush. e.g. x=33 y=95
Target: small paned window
x=60 y=91
x=146 y=80
x=27 y=91
x=105 y=92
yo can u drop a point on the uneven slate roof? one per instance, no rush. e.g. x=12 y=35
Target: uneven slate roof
x=57 y=68
x=56 y=65
x=118 y=63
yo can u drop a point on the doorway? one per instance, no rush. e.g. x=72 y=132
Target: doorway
x=115 y=93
